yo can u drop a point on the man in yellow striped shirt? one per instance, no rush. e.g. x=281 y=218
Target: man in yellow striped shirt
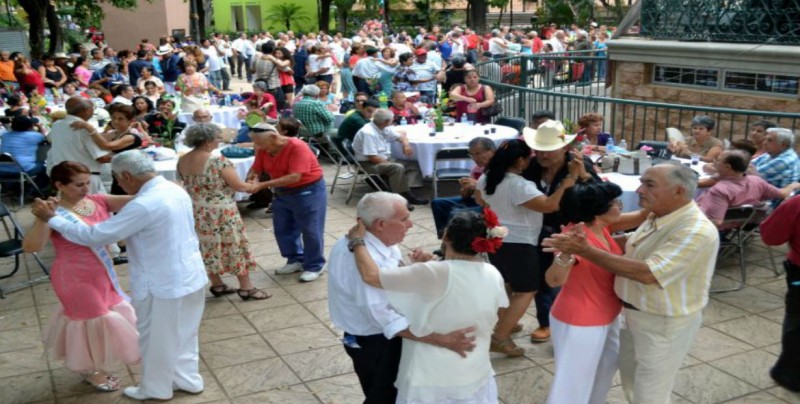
x=662 y=280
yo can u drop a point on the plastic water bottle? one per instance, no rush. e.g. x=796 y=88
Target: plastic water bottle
x=227 y=100
x=49 y=98
x=610 y=148
x=623 y=145
x=403 y=121
x=464 y=119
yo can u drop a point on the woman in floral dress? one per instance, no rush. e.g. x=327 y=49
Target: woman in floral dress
x=211 y=182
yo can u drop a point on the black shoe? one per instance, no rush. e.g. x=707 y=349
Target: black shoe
x=410 y=207
x=413 y=200
x=120 y=260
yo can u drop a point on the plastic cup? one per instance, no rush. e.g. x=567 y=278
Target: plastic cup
x=695 y=159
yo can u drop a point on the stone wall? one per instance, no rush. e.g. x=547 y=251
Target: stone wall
x=632 y=65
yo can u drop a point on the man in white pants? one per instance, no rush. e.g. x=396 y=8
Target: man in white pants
x=662 y=280
x=167 y=275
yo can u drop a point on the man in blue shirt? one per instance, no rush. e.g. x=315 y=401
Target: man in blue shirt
x=169 y=67
x=22 y=143
x=300 y=58
x=135 y=67
x=107 y=77
x=780 y=165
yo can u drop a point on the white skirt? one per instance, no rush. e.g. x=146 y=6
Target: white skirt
x=487 y=394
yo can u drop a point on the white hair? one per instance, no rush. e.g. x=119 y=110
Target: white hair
x=378 y=205
x=682 y=176
x=134 y=162
x=783 y=136
x=382 y=115
x=311 y=90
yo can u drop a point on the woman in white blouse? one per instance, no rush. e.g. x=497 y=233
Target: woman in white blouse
x=520 y=206
x=438 y=297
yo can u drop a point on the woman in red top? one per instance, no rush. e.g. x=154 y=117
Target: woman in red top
x=403 y=109
x=265 y=100
x=583 y=319
x=300 y=198
x=357 y=52
x=29 y=80
x=471 y=97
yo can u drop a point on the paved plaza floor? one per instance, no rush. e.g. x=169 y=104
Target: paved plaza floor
x=284 y=349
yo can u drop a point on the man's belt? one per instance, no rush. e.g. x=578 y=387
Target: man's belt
x=628 y=305
x=284 y=191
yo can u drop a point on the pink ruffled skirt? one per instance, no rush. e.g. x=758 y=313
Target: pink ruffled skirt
x=100 y=343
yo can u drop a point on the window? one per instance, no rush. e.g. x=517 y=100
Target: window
x=726 y=80
x=686 y=76
x=769 y=83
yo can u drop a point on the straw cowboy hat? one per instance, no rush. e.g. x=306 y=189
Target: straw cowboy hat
x=550 y=136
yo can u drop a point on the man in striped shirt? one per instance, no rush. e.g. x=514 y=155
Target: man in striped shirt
x=662 y=280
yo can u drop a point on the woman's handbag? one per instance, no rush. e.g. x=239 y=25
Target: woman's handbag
x=492 y=110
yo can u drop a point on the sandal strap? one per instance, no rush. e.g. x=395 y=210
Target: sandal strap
x=254 y=293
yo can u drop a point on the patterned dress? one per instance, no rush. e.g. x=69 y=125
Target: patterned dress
x=217 y=221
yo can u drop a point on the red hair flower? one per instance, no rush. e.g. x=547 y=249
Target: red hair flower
x=490 y=218
x=494 y=234
x=486 y=245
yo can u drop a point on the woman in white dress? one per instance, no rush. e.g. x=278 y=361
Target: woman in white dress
x=440 y=296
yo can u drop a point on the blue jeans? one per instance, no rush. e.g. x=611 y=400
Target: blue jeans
x=299 y=222
x=445 y=208
x=546 y=295
x=215 y=78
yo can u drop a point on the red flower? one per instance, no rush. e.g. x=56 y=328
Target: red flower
x=486 y=245
x=157 y=124
x=490 y=217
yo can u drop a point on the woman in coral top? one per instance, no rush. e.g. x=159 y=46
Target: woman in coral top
x=583 y=319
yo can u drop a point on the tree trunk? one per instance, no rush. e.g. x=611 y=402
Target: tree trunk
x=511 y=13
x=325 y=15
x=386 y=13
x=341 y=20
x=478 y=10
x=201 y=20
x=56 y=33
x=36 y=10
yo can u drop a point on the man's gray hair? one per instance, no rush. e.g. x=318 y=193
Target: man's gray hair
x=311 y=90
x=783 y=136
x=260 y=85
x=198 y=111
x=484 y=142
x=200 y=134
x=682 y=176
x=378 y=205
x=134 y=162
x=382 y=115
x=77 y=104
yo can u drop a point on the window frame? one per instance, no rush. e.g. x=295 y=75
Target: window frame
x=722 y=80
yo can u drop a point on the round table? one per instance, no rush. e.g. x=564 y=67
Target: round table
x=630 y=183
x=225 y=116
x=168 y=169
x=425 y=146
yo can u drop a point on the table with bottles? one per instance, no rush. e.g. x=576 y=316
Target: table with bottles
x=425 y=143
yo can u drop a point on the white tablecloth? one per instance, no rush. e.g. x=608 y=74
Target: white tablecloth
x=629 y=184
x=168 y=169
x=225 y=116
x=458 y=135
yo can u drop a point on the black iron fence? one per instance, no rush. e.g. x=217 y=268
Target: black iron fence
x=570 y=86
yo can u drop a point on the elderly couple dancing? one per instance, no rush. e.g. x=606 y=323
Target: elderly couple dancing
x=167 y=277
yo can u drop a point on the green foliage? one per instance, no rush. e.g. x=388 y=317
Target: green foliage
x=557 y=11
x=11 y=21
x=287 y=13
x=89 y=13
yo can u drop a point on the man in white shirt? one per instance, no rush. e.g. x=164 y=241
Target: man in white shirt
x=368 y=68
x=371 y=326
x=71 y=141
x=497 y=45
x=373 y=149
x=167 y=274
x=244 y=51
x=557 y=41
x=425 y=80
x=213 y=62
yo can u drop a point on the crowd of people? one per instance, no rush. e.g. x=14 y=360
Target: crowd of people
x=415 y=333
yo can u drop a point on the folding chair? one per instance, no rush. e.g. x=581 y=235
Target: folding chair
x=7 y=160
x=515 y=123
x=449 y=174
x=340 y=160
x=12 y=247
x=360 y=172
x=739 y=226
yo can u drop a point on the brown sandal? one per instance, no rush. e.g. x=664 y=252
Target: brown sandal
x=220 y=290
x=507 y=347
x=255 y=294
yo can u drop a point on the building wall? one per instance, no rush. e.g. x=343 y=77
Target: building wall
x=125 y=29
x=633 y=65
x=223 y=18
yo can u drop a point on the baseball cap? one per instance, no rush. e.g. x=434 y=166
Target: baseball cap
x=420 y=52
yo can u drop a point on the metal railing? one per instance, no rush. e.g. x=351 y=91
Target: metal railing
x=748 y=21
x=529 y=83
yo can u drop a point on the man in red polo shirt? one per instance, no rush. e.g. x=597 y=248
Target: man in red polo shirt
x=473 y=42
x=300 y=201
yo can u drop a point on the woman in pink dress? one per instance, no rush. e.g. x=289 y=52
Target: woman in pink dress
x=94 y=328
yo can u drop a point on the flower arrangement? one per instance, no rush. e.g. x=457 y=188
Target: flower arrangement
x=165 y=134
x=437 y=114
x=494 y=234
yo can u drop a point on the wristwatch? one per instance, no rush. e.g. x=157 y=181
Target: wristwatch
x=351 y=245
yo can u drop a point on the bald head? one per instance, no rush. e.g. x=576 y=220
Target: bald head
x=201 y=115
x=80 y=107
